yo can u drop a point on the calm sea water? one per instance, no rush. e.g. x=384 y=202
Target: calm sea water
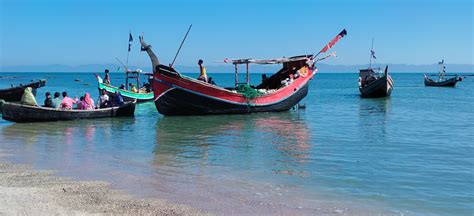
x=411 y=153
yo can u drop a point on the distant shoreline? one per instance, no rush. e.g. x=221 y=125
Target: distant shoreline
x=227 y=72
x=254 y=68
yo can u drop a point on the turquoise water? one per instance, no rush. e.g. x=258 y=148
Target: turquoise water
x=411 y=153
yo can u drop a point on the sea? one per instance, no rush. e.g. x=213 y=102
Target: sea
x=409 y=154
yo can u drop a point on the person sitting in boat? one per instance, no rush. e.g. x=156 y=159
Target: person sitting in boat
x=134 y=88
x=48 y=102
x=67 y=102
x=56 y=102
x=103 y=101
x=81 y=104
x=107 y=77
x=202 y=71
x=210 y=81
x=147 y=87
x=122 y=87
x=118 y=99
x=88 y=102
x=28 y=98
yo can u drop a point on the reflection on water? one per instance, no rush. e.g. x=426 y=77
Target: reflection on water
x=373 y=117
x=242 y=140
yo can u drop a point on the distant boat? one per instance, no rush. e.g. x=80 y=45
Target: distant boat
x=442 y=81
x=144 y=94
x=15 y=93
x=373 y=83
x=24 y=113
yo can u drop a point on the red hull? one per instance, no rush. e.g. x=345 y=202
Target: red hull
x=179 y=95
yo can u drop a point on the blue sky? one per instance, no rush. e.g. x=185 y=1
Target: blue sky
x=75 y=32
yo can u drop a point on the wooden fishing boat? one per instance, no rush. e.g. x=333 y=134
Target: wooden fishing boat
x=24 y=113
x=451 y=82
x=442 y=81
x=373 y=84
x=15 y=93
x=176 y=94
x=144 y=94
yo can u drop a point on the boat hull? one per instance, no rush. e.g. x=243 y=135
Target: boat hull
x=24 y=113
x=127 y=95
x=182 y=102
x=179 y=95
x=447 y=83
x=15 y=93
x=381 y=87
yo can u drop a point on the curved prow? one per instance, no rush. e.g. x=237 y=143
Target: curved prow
x=145 y=47
x=386 y=70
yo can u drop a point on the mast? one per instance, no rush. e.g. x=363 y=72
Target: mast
x=441 y=70
x=181 y=45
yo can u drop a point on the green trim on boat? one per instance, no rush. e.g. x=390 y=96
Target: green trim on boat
x=139 y=96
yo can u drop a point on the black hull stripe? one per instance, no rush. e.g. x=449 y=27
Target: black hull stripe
x=180 y=102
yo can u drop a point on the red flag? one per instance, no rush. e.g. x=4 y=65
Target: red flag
x=333 y=41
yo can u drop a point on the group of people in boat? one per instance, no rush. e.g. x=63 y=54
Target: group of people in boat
x=67 y=103
x=133 y=88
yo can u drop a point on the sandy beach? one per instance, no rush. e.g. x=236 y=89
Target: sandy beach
x=24 y=191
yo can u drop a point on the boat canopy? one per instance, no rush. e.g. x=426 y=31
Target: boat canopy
x=268 y=61
x=249 y=61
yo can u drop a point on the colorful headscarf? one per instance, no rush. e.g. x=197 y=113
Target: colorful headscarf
x=28 y=98
x=88 y=100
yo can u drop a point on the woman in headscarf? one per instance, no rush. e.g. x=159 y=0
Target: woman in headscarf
x=89 y=103
x=81 y=105
x=28 y=98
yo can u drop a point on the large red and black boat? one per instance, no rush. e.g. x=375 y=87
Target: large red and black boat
x=176 y=94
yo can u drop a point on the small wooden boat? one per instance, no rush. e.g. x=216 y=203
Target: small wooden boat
x=144 y=94
x=373 y=84
x=442 y=81
x=24 y=113
x=15 y=93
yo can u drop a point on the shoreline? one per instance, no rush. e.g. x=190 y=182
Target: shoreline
x=25 y=191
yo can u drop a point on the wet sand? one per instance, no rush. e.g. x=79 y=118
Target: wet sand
x=24 y=191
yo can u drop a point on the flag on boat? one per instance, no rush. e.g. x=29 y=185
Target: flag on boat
x=334 y=41
x=130 y=40
x=441 y=62
x=99 y=79
x=373 y=54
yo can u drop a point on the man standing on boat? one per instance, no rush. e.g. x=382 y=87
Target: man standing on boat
x=202 y=70
x=107 y=77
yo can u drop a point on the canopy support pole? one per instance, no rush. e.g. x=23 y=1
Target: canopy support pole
x=236 y=75
x=126 y=80
x=248 y=77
